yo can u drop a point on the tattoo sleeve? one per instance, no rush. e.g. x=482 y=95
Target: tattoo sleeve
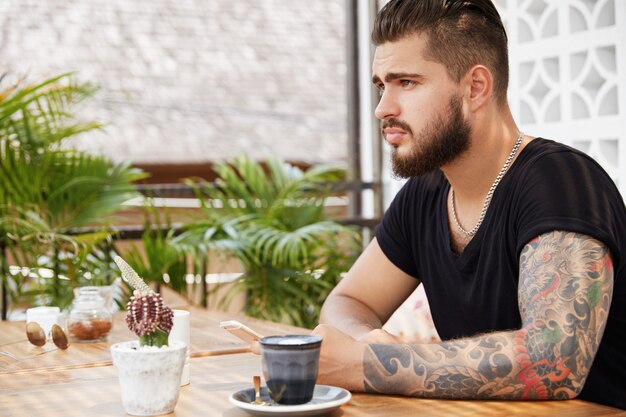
x=565 y=288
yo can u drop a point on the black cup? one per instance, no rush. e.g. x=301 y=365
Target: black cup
x=290 y=367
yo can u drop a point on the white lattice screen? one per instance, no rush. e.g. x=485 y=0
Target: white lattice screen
x=568 y=74
x=568 y=77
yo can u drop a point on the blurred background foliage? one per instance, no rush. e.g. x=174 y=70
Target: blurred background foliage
x=48 y=192
x=273 y=222
x=58 y=211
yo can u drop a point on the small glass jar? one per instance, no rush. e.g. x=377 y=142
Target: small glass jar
x=90 y=320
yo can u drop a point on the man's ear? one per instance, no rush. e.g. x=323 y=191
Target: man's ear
x=480 y=82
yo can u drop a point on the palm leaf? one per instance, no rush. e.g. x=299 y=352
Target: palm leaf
x=36 y=115
x=273 y=222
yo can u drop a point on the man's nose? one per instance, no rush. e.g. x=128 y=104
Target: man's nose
x=387 y=107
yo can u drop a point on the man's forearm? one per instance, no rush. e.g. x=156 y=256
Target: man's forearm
x=503 y=365
x=349 y=315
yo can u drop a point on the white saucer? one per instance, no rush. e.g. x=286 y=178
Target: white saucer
x=326 y=398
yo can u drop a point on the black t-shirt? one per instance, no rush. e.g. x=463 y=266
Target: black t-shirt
x=549 y=187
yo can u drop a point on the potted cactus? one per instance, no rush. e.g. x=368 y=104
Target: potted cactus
x=149 y=369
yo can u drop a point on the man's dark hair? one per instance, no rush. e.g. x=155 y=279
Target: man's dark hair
x=460 y=34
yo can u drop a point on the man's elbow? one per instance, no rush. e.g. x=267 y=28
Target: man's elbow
x=560 y=378
x=573 y=386
x=326 y=316
x=568 y=391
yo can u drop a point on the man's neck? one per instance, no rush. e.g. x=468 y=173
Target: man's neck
x=474 y=172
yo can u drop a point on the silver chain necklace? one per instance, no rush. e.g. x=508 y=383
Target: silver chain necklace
x=487 y=201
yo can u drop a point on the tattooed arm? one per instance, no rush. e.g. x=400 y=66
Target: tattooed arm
x=565 y=289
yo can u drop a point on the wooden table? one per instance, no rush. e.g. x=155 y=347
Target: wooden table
x=93 y=390
x=82 y=392
x=207 y=338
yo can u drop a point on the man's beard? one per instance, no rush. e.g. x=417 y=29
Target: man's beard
x=440 y=142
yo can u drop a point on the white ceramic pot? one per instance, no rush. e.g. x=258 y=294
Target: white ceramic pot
x=149 y=378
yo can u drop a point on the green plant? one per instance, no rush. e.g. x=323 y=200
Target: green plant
x=158 y=260
x=274 y=223
x=49 y=194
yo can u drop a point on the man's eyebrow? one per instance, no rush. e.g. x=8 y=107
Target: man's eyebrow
x=391 y=76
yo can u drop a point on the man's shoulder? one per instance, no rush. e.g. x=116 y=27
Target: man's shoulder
x=552 y=157
x=542 y=147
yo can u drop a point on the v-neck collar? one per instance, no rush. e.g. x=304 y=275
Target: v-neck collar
x=462 y=260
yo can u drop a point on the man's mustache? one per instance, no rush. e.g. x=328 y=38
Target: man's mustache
x=397 y=124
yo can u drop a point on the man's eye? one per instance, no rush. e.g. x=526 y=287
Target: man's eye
x=407 y=83
x=381 y=89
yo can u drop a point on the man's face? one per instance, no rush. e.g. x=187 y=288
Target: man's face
x=420 y=106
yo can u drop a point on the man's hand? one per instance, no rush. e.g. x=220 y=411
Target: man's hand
x=341 y=356
x=341 y=359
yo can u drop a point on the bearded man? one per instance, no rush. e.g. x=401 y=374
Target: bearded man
x=519 y=242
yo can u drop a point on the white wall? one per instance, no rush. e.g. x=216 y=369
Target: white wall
x=568 y=74
x=568 y=77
